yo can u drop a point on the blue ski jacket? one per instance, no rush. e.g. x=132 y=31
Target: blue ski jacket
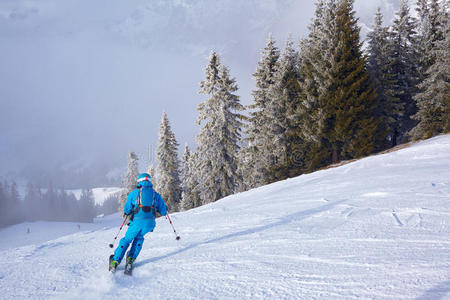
x=147 y=197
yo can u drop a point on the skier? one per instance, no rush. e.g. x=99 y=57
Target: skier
x=141 y=206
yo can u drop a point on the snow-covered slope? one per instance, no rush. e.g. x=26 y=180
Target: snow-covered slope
x=375 y=228
x=36 y=233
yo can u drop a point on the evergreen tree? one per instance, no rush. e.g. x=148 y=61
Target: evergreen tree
x=356 y=123
x=432 y=17
x=389 y=109
x=41 y=204
x=151 y=172
x=73 y=207
x=309 y=121
x=49 y=203
x=285 y=94
x=220 y=133
x=245 y=168
x=3 y=207
x=34 y=207
x=316 y=52
x=346 y=99
x=64 y=205
x=433 y=100
x=253 y=158
x=403 y=62
x=193 y=180
x=16 y=209
x=58 y=211
x=30 y=203
x=6 y=205
x=187 y=197
x=87 y=206
x=129 y=180
x=169 y=184
x=11 y=212
x=110 y=205
x=423 y=45
x=324 y=39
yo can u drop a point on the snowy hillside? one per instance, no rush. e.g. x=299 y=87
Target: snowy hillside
x=375 y=228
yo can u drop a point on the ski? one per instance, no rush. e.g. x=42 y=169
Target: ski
x=112 y=266
x=129 y=267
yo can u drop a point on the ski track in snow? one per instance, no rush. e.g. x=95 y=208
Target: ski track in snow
x=378 y=228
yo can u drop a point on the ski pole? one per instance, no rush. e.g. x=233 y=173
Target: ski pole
x=174 y=231
x=115 y=238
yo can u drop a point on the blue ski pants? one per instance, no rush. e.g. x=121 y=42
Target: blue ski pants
x=135 y=235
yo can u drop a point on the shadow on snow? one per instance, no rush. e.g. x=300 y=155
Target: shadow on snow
x=298 y=216
x=437 y=292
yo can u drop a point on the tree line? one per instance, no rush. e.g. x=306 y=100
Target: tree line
x=49 y=204
x=317 y=102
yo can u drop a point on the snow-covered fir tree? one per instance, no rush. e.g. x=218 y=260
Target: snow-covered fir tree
x=309 y=117
x=253 y=157
x=129 y=179
x=220 y=133
x=403 y=56
x=324 y=40
x=189 y=197
x=389 y=109
x=186 y=202
x=151 y=172
x=433 y=100
x=193 y=179
x=169 y=184
x=285 y=94
x=431 y=18
x=423 y=45
x=315 y=53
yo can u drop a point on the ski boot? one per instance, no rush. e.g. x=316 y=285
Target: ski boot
x=112 y=264
x=129 y=265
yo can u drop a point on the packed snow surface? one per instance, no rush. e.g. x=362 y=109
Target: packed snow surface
x=376 y=228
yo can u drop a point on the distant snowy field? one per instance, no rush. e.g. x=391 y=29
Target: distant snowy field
x=377 y=228
x=100 y=194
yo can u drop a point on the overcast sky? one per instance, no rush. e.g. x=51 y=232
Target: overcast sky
x=88 y=80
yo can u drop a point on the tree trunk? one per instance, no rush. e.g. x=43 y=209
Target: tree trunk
x=394 y=138
x=335 y=156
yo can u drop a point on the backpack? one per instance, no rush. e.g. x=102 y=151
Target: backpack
x=145 y=209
